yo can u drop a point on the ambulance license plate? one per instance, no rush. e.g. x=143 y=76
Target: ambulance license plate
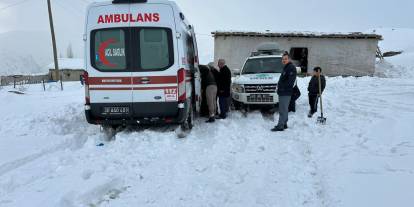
x=115 y=110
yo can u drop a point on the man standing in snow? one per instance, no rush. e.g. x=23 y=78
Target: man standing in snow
x=224 y=87
x=211 y=92
x=284 y=90
x=313 y=90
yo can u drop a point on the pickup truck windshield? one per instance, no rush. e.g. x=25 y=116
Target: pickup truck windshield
x=263 y=65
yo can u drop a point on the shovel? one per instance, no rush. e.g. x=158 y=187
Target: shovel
x=321 y=119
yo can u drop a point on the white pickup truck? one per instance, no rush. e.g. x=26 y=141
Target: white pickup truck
x=256 y=82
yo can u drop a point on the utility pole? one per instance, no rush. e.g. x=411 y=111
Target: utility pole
x=52 y=30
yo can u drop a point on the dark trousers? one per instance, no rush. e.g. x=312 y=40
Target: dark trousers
x=313 y=103
x=224 y=105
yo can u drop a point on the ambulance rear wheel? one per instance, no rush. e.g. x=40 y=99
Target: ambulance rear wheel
x=109 y=132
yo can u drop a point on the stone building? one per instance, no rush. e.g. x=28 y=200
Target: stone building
x=339 y=54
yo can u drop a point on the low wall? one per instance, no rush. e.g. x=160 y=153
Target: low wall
x=21 y=80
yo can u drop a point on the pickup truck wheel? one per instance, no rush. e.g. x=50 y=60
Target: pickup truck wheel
x=237 y=105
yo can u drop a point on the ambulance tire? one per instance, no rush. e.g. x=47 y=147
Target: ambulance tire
x=109 y=132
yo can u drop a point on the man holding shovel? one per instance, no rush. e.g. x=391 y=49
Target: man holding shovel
x=315 y=90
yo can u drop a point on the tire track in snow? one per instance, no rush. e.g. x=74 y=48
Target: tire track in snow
x=7 y=167
x=63 y=126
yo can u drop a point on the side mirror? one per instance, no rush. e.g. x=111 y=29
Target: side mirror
x=236 y=72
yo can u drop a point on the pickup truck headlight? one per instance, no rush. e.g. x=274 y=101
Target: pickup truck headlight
x=237 y=88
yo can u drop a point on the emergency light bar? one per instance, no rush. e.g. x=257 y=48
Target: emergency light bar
x=128 y=1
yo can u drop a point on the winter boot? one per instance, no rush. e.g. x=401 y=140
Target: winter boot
x=211 y=120
x=277 y=129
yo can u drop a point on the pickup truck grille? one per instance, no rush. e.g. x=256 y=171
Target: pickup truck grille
x=260 y=88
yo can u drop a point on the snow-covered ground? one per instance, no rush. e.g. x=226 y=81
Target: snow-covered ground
x=362 y=157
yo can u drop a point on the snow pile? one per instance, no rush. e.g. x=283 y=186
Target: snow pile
x=397 y=40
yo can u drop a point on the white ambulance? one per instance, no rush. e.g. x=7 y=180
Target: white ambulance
x=141 y=64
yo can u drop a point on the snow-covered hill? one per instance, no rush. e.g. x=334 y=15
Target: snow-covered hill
x=397 y=39
x=29 y=52
x=24 y=52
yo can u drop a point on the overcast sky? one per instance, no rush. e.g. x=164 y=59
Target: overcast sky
x=211 y=15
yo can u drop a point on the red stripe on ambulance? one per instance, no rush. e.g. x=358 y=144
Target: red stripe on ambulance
x=156 y=80
x=135 y=89
x=135 y=80
x=110 y=81
x=182 y=95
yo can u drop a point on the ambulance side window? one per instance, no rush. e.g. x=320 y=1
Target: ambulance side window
x=109 y=52
x=156 y=50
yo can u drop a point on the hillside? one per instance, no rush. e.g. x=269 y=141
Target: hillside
x=30 y=52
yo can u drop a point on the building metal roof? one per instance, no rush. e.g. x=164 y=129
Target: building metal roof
x=351 y=35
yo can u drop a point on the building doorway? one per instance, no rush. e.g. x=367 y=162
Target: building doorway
x=299 y=57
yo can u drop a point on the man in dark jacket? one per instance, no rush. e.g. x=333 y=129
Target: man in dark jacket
x=224 y=87
x=313 y=90
x=284 y=90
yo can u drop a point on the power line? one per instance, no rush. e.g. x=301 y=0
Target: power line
x=12 y=5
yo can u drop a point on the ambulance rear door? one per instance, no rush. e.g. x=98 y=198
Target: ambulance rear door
x=155 y=59
x=109 y=62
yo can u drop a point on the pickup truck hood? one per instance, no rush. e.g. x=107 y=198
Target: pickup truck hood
x=260 y=78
